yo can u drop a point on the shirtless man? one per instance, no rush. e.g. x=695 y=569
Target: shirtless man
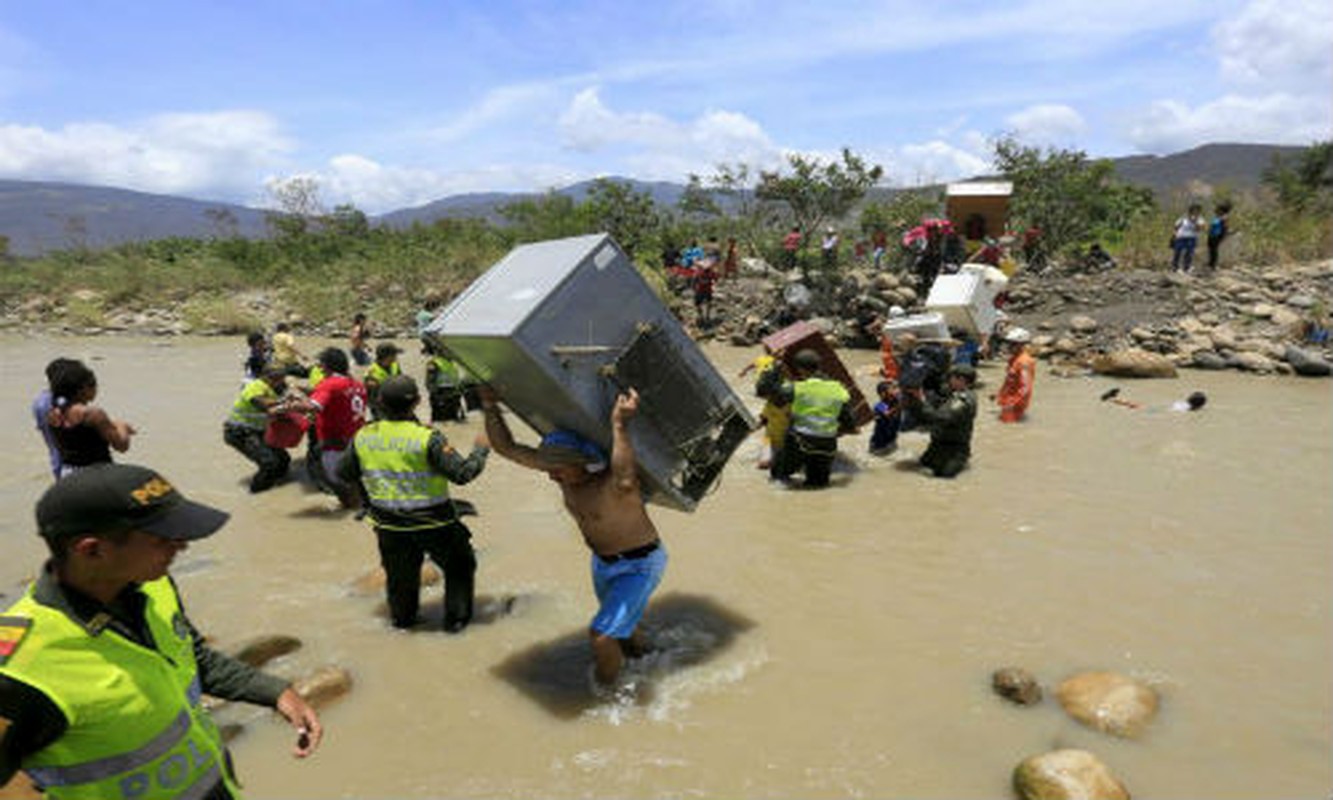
x=628 y=558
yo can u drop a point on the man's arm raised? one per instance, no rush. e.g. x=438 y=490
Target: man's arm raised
x=623 y=466
x=502 y=439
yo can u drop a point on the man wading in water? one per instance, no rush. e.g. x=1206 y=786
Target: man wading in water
x=628 y=558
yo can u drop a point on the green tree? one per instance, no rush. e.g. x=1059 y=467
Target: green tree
x=1070 y=198
x=815 y=191
x=549 y=216
x=630 y=217
x=348 y=221
x=1307 y=182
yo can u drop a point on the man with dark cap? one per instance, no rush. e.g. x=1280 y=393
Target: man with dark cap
x=101 y=673
x=820 y=411
x=404 y=469
x=950 y=420
x=385 y=367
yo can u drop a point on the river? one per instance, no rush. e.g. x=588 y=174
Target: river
x=812 y=644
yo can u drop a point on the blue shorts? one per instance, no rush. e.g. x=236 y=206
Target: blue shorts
x=623 y=589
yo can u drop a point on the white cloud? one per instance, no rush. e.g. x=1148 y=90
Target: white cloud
x=935 y=161
x=220 y=152
x=1278 y=44
x=498 y=105
x=1047 y=124
x=1168 y=126
x=657 y=147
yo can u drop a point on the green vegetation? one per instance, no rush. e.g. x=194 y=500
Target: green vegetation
x=326 y=265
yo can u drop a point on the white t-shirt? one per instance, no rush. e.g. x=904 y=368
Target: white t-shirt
x=1187 y=227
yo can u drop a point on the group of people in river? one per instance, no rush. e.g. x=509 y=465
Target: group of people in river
x=98 y=663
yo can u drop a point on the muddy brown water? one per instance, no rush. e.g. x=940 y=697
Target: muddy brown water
x=812 y=644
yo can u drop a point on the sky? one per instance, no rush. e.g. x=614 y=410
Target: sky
x=390 y=104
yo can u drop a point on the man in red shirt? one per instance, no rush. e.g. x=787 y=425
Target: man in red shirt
x=339 y=403
x=791 y=243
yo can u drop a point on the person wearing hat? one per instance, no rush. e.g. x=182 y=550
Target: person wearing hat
x=404 y=469
x=605 y=498
x=1016 y=392
x=245 y=425
x=444 y=380
x=950 y=421
x=386 y=366
x=101 y=672
x=339 y=404
x=820 y=411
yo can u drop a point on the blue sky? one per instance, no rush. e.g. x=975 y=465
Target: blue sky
x=390 y=103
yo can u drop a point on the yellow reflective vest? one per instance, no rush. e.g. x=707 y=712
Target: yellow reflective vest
x=136 y=729
x=396 y=470
x=444 y=374
x=244 y=412
x=815 y=406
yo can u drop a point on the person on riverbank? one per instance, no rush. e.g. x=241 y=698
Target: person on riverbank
x=404 y=469
x=356 y=340
x=286 y=355
x=41 y=410
x=244 y=428
x=386 y=366
x=101 y=671
x=950 y=420
x=84 y=433
x=791 y=246
x=820 y=411
x=606 y=501
x=704 y=281
x=1020 y=374
x=1185 y=237
x=1218 y=230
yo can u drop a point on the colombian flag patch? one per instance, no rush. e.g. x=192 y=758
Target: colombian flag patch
x=12 y=631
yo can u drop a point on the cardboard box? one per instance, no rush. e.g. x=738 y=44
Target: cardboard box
x=803 y=335
x=558 y=327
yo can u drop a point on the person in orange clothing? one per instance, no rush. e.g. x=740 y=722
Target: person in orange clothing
x=1016 y=393
x=888 y=360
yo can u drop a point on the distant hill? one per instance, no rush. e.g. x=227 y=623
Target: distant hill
x=50 y=216
x=38 y=217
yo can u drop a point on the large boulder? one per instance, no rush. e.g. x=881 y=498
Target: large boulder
x=1207 y=359
x=1067 y=775
x=1303 y=362
x=1253 y=362
x=1082 y=323
x=1134 y=362
x=1109 y=702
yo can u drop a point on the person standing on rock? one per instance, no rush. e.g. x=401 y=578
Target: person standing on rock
x=605 y=498
x=404 y=469
x=820 y=411
x=101 y=672
x=950 y=421
x=1217 y=231
x=1185 y=238
x=1019 y=376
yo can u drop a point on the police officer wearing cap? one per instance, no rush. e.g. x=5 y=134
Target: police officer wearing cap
x=101 y=673
x=385 y=367
x=404 y=469
x=950 y=421
x=820 y=411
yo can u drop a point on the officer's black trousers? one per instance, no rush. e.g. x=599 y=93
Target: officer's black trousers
x=273 y=462
x=450 y=547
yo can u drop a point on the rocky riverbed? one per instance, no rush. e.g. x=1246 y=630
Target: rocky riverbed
x=1246 y=318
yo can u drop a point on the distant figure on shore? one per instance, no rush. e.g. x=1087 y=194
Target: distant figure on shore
x=791 y=245
x=704 y=281
x=404 y=469
x=257 y=355
x=828 y=248
x=1185 y=237
x=84 y=433
x=950 y=420
x=605 y=499
x=1217 y=231
x=356 y=340
x=820 y=412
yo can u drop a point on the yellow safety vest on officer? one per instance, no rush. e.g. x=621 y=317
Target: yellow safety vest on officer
x=244 y=412
x=445 y=374
x=816 y=404
x=136 y=729
x=396 y=470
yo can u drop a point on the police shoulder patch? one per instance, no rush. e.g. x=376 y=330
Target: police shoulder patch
x=12 y=631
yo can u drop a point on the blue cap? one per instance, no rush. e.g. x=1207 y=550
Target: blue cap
x=570 y=444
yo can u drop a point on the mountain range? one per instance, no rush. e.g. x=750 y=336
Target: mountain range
x=39 y=216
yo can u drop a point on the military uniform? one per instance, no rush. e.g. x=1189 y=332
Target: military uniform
x=950 y=423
